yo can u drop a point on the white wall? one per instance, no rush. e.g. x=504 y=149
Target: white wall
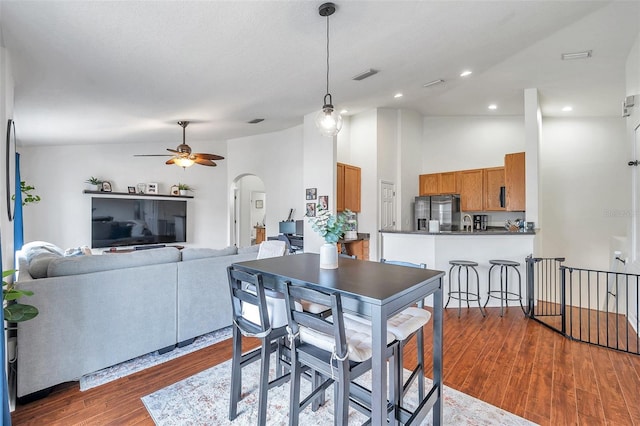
x=409 y=165
x=364 y=154
x=584 y=188
x=6 y=112
x=459 y=143
x=63 y=217
x=276 y=158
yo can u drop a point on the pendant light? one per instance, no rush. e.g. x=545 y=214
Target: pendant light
x=328 y=120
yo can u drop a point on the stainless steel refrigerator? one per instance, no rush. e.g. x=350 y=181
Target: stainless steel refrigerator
x=446 y=210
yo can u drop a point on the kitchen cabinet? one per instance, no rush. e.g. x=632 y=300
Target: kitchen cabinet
x=438 y=183
x=348 y=187
x=471 y=190
x=429 y=184
x=493 y=184
x=514 y=180
x=359 y=248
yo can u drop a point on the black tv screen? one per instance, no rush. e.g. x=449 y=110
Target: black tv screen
x=119 y=222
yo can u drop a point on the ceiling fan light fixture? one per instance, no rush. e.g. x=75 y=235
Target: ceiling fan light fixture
x=328 y=120
x=183 y=162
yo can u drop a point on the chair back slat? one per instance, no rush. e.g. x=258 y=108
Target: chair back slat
x=403 y=263
x=298 y=318
x=247 y=288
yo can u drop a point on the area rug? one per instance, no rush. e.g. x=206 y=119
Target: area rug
x=140 y=363
x=203 y=399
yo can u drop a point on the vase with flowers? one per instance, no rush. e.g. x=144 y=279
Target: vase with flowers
x=330 y=227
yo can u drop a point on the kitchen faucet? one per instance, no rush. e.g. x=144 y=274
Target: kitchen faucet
x=467 y=227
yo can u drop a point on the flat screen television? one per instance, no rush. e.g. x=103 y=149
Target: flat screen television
x=117 y=222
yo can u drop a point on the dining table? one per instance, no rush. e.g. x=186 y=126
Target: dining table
x=377 y=291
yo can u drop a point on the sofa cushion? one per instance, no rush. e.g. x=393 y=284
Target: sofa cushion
x=86 y=264
x=38 y=255
x=250 y=249
x=199 y=253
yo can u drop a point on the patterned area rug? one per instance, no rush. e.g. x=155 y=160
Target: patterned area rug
x=203 y=399
x=123 y=369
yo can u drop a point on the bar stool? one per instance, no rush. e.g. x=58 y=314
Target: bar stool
x=504 y=294
x=465 y=295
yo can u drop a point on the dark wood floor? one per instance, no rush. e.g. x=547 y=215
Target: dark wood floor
x=511 y=362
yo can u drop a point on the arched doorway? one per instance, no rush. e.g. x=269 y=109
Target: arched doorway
x=249 y=208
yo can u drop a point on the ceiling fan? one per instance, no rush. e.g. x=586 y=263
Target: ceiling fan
x=183 y=156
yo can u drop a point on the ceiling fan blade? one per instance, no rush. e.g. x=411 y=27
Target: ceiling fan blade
x=209 y=156
x=173 y=150
x=205 y=162
x=152 y=155
x=170 y=161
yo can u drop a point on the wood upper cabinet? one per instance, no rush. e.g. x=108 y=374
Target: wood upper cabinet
x=493 y=182
x=348 y=187
x=429 y=184
x=514 y=179
x=471 y=190
x=438 y=183
x=447 y=183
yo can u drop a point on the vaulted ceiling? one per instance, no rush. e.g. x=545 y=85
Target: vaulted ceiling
x=127 y=71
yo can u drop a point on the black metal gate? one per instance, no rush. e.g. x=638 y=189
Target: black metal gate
x=597 y=307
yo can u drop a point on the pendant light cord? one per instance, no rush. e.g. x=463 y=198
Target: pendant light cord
x=327 y=54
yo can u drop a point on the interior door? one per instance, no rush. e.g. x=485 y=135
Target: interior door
x=387 y=206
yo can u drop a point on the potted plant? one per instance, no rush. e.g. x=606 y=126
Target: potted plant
x=96 y=182
x=27 y=196
x=184 y=188
x=331 y=228
x=14 y=311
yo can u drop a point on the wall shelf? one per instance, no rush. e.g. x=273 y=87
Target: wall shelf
x=136 y=195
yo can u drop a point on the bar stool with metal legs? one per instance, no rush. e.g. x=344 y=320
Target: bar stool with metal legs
x=504 y=294
x=459 y=294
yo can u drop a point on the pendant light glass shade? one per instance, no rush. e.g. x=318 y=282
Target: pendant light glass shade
x=328 y=120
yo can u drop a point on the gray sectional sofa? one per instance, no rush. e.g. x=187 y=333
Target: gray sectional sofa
x=100 y=310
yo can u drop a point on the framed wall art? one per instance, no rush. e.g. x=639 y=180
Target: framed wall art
x=311 y=193
x=152 y=188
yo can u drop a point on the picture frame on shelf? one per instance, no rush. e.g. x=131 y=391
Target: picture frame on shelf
x=175 y=190
x=142 y=187
x=311 y=193
x=152 y=188
x=131 y=189
x=106 y=186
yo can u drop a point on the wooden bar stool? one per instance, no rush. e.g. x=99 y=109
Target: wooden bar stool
x=504 y=294
x=466 y=295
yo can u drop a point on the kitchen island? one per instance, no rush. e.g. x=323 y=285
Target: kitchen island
x=437 y=249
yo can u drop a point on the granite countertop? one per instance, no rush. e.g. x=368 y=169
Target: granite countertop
x=489 y=231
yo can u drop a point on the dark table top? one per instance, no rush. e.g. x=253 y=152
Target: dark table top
x=371 y=282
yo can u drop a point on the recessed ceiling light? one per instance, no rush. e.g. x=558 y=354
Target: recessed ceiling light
x=567 y=108
x=397 y=95
x=344 y=111
x=465 y=73
x=576 y=55
x=493 y=106
x=433 y=83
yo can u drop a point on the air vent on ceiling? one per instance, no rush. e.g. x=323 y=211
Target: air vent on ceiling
x=576 y=55
x=255 y=121
x=433 y=83
x=363 y=75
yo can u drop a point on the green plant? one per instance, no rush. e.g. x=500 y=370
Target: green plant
x=184 y=187
x=14 y=311
x=94 y=180
x=329 y=227
x=27 y=196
